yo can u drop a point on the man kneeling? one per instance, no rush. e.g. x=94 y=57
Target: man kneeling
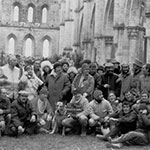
x=24 y=118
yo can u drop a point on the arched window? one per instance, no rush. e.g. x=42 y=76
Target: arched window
x=28 y=47
x=30 y=14
x=44 y=15
x=11 y=46
x=16 y=13
x=46 y=48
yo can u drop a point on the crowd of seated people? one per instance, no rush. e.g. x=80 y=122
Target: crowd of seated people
x=110 y=101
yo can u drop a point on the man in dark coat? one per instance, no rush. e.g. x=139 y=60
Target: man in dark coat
x=23 y=116
x=58 y=85
x=109 y=81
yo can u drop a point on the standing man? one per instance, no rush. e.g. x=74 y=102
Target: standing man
x=126 y=78
x=11 y=75
x=37 y=69
x=109 y=81
x=58 y=85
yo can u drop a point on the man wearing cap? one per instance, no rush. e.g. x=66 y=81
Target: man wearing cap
x=23 y=116
x=58 y=85
x=84 y=82
x=109 y=81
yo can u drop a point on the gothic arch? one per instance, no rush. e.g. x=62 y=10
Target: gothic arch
x=16 y=6
x=9 y=48
x=31 y=5
x=46 y=46
x=46 y=7
x=30 y=38
x=81 y=30
x=92 y=23
x=109 y=16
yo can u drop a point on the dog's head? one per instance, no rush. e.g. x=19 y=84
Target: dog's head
x=59 y=106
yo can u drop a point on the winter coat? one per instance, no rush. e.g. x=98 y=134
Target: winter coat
x=86 y=87
x=114 y=84
x=5 y=106
x=126 y=83
x=144 y=83
x=57 y=87
x=21 y=113
x=126 y=122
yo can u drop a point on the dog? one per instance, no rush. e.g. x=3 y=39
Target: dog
x=60 y=114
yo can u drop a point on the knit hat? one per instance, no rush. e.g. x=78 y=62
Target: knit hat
x=43 y=91
x=97 y=93
x=143 y=107
x=138 y=62
x=85 y=67
x=46 y=63
x=72 y=69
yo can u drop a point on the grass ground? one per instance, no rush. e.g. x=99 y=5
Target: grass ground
x=56 y=142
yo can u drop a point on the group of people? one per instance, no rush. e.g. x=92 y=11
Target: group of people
x=110 y=100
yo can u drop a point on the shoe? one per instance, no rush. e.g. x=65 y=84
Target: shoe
x=114 y=145
x=101 y=137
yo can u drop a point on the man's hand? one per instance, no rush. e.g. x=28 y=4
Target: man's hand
x=33 y=118
x=1 y=111
x=49 y=118
x=85 y=94
x=106 y=85
x=144 y=112
x=20 y=129
x=113 y=119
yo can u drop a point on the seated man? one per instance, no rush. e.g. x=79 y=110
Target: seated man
x=23 y=116
x=100 y=109
x=122 y=122
x=138 y=137
x=4 y=112
x=78 y=102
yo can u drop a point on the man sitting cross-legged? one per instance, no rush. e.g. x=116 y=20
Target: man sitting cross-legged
x=24 y=118
x=75 y=119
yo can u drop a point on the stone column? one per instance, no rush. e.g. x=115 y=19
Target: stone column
x=135 y=40
x=0 y=9
x=108 y=45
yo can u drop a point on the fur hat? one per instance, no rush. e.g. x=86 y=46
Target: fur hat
x=23 y=92
x=109 y=65
x=57 y=64
x=72 y=69
x=97 y=93
x=46 y=63
x=138 y=62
